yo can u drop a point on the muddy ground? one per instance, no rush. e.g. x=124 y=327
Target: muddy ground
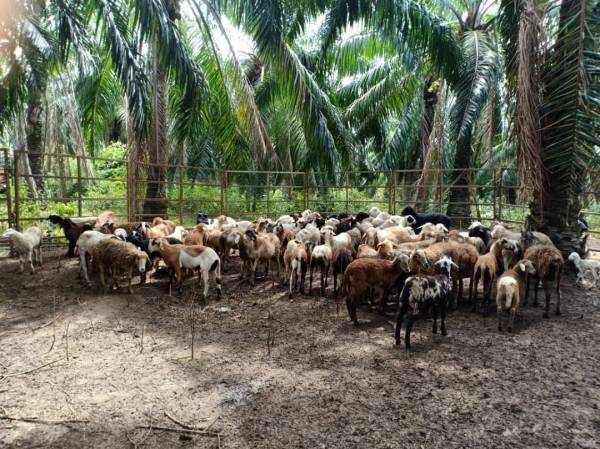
x=118 y=364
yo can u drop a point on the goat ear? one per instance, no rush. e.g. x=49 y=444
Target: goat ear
x=522 y=266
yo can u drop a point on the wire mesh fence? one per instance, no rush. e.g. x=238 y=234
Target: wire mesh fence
x=80 y=186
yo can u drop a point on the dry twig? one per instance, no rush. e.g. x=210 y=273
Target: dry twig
x=22 y=373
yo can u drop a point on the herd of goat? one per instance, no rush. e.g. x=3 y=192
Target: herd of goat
x=371 y=253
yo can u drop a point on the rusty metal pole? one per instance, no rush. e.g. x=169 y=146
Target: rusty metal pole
x=181 y=175
x=347 y=182
x=494 y=194
x=500 y=197
x=306 y=200
x=223 y=176
x=268 y=195
x=17 y=194
x=7 y=170
x=79 y=198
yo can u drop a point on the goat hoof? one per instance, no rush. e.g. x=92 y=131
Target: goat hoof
x=557 y=313
x=509 y=330
x=444 y=333
x=546 y=315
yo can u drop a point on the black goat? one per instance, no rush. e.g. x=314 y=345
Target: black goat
x=72 y=231
x=421 y=219
x=361 y=216
x=201 y=217
x=483 y=233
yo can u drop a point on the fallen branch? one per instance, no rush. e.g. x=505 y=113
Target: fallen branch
x=64 y=422
x=31 y=370
x=173 y=429
x=185 y=426
x=48 y=323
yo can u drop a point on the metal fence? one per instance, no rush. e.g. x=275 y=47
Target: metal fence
x=79 y=186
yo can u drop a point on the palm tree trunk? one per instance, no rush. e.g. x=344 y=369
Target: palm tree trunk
x=561 y=206
x=459 y=200
x=35 y=144
x=429 y=118
x=155 y=203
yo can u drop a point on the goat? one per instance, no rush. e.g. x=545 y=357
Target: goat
x=341 y=258
x=537 y=238
x=548 y=263
x=204 y=259
x=295 y=259
x=170 y=255
x=321 y=255
x=103 y=218
x=85 y=244
x=421 y=218
x=114 y=257
x=365 y=250
x=197 y=236
x=583 y=265
x=28 y=245
x=422 y=292
x=71 y=229
x=509 y=291
x=364 y=274
x=487 y=269
x=260 y=248
x=478 y=230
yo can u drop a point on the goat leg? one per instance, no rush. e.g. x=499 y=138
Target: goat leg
x=558 y=275
x=435 y=318
x=548 y=296
x=535 y=291
x=399 y=326
x=443 y=313
x=409 y=324
x=499 y=313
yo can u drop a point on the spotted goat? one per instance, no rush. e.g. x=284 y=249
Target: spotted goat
x=422 y=293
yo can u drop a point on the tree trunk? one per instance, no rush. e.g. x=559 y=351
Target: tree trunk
x=560 y=210
x=459 y=200
x=155 y=203
x=35 y=144
x=430 y=96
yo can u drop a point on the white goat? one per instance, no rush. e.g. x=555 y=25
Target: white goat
x=207 y=260
x=583 y=265
x=28 y=244
x=179 y=233
x=310 y=235
x=85 y=244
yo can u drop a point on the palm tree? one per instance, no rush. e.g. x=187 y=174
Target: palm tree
x=562 y=88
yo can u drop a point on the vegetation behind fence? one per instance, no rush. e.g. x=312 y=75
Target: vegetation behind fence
x=79 y=186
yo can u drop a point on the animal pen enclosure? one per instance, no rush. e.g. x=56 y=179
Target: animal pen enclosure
x=80 y=186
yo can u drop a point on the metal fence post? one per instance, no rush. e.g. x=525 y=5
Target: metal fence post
x=181 y=175
x=223 y=176
x=79 y=198
x=7 y=170
x=17 y=194
x=494 y=192
x=306 y=200
x=500 y=197
x=268 y=195
x=347 y=182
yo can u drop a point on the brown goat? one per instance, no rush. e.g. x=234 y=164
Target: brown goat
x=197 y=236
x=549 y=264
x=487 y=269
x=509 y=290
x=364 y=274
x=115 y=257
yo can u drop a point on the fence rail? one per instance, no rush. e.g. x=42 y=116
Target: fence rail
x=84 y=186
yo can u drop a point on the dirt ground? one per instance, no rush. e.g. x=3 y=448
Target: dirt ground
x=273 y=373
